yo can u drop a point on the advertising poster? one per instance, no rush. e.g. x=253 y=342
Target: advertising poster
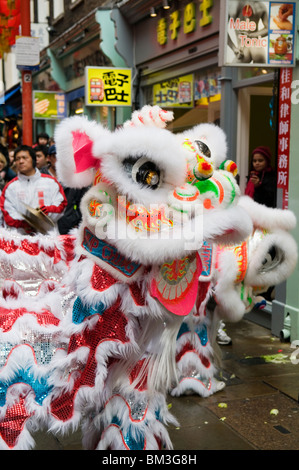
x=259 y=34
x=108 y=86
x=176 y=92
x=49 y=105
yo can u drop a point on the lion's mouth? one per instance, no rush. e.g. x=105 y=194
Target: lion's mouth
x=142 y=219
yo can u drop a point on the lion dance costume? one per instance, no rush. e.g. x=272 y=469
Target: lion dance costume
x=98 y=326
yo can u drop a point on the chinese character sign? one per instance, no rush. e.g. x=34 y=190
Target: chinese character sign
x=108 y=86
x=184 y=20
x=284 y=124
x=176 y=92
x=259 y=34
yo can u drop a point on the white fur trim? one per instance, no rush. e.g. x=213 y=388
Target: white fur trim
x=269 y=273
x=268 y=218
x=229 y=304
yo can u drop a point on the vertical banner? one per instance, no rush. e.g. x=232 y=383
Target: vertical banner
x=284 y=127
x=259 y=34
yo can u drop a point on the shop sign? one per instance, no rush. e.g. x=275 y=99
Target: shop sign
x=186 y=23
x=49 y=105
x=108 y=86
x=174 y=93
x=284 y=126
x=194 y=15
x=257 y=33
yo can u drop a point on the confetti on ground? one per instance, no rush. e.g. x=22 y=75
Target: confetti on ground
x=223 y=418
x=276 y=358
x=222 y=405
x=274 y=411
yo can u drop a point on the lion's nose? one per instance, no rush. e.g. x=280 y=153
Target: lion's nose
x=203 y=170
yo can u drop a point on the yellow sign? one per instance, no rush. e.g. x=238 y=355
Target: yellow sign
x=174 y=93
x=108 y=86
x=194 y=14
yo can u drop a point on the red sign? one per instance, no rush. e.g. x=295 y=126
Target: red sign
x=284 y=127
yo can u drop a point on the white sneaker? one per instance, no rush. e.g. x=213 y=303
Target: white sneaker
x=222 y=337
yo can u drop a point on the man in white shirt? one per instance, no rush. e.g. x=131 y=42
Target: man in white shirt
x=33 y=188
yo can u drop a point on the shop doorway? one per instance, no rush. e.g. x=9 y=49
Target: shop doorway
x=255 y=126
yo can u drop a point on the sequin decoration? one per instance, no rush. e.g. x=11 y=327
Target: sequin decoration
x=131 y=443
x=138 y=408
x=201 y=331
x=8 y=317
x=137 y=295
x=13 y=423
x=193 y=374
x=82 y=311
x=40 y=386
x=30 y=248
x=101 y=279
x=111 y=326
x=109 y=254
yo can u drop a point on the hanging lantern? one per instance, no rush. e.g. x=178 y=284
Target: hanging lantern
x=10 y=20
x=10 y=7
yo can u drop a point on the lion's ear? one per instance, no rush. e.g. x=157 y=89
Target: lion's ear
x=76 y=163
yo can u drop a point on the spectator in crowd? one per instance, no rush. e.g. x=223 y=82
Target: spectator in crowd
x=37 y=190
x=42 y=139
x=11 y=158
x=261 y=184
x=41 y=153
x=9 y=172
x=51 y=159
x=3 y=164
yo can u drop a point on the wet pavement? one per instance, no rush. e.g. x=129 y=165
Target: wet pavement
x=257 y=410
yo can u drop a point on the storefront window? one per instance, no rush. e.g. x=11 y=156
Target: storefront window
x=76 y=107
x=194 y=98
x=251 y=72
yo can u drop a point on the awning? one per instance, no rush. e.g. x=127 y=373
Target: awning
x=75 y=94
x=11 y=104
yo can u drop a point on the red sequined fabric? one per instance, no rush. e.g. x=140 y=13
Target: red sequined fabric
x=100 y=279
x=13 y=423
x=8 y=317
x=111 y=326
x=137 y=294
x=33 y=248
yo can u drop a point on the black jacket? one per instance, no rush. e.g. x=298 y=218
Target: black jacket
x=265 y=193
x=72 y=215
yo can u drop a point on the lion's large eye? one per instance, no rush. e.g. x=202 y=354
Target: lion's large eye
x=273 y=258
x=143 y=171
x=203 y=148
